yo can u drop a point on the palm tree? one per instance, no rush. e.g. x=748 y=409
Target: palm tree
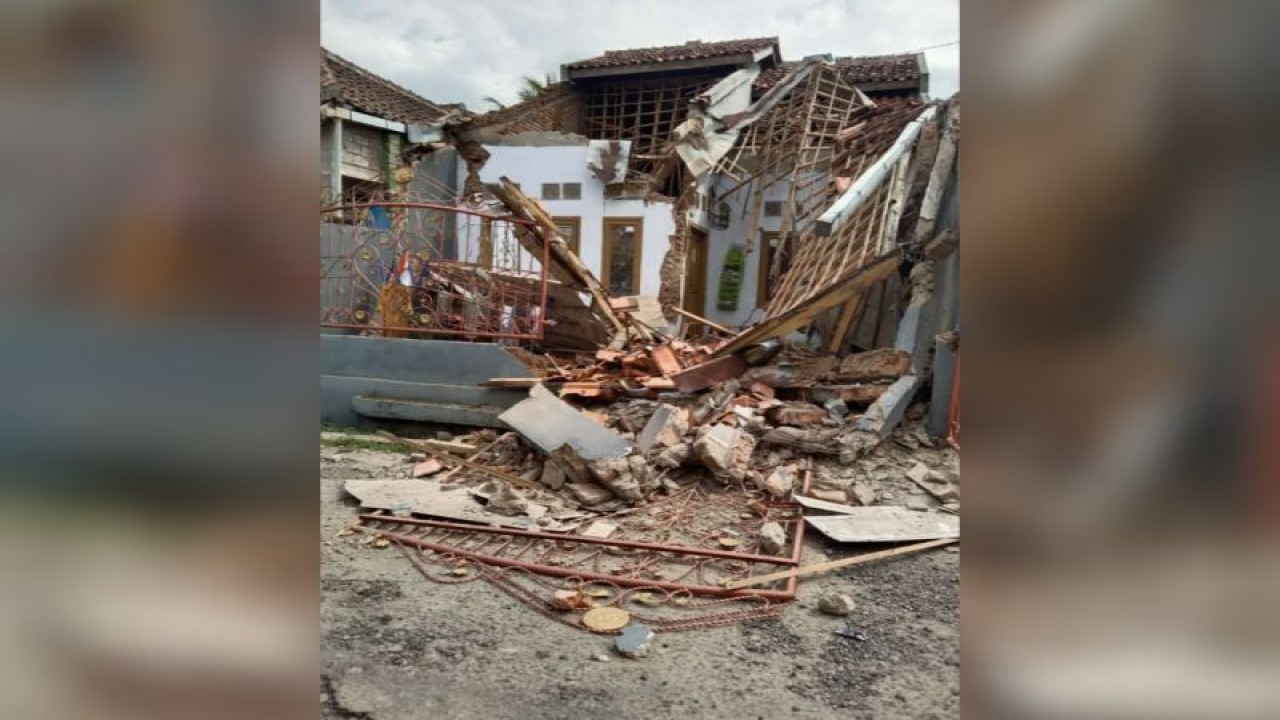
x=497 y=104
x=533 y=86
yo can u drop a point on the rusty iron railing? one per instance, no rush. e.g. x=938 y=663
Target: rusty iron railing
x=398 y=267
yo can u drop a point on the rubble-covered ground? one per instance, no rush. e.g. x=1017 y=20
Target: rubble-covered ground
x=398 y=646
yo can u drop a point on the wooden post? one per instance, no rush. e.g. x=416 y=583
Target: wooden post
x=564 y=264
x=833 y=564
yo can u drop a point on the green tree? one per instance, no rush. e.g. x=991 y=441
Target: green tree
x=533 y=86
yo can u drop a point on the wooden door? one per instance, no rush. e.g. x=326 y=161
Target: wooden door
x=695 y=280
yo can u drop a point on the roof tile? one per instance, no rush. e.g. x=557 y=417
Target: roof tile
x=692 y=50
x=349 y=83
x=856 y=70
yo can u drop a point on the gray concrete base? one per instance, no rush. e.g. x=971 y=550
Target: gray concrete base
x=421 y=380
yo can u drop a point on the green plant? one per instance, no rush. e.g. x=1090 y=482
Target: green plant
x=731 y=273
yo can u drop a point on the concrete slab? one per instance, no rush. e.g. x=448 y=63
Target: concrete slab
x=886 y=524
x=549 y=424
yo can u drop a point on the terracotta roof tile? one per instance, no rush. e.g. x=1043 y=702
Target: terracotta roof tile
x=881 y=68
x=346 y=82
x=857 y=70
x=692 y=50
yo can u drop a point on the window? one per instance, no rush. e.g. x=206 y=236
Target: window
x=571 y=231
x=623 y=238
x=550 y=191
x=769 y=244
x=571 y=191
x=773 y=208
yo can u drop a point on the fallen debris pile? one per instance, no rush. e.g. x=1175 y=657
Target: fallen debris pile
x=621 y=485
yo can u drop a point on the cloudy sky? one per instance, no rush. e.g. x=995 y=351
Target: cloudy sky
x=464 y=50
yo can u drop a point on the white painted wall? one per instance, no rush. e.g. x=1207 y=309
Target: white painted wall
x=721 y=239
x=531 y=166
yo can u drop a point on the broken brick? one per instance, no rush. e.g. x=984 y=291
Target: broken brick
x=797 y=414
x=701 y=377
x=427 y=467
x=664 y=359
x=880 y=364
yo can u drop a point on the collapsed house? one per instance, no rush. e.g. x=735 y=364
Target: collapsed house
x=695 y=274
x=696 y=186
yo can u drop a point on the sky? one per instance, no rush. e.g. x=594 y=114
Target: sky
x=464 y=50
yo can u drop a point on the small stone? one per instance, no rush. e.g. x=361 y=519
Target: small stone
x=773 y=538
x=921 y=503
x=571 y=600
x=601 y=657
x=728 y=543
x=634 y=641
x=553 y=475
x=779 y=482
x=590 y=493
x=835 y=496
x=863 y=493
x=835 y=604
x=427 y=467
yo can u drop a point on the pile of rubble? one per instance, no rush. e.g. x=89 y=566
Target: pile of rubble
x=603 y=432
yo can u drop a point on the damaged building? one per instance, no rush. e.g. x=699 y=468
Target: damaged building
x=691 y=300
x=711 y=192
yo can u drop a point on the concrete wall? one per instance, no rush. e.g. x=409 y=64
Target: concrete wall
x=531 y=166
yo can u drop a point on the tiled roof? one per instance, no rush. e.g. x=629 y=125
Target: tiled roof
x=351 y=84
x=692 y=50
x=880 y=68
x=857 y=70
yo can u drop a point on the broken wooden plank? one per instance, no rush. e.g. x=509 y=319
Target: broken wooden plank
x=886 y=524
x=841 y=290
x=457 y=448
x=703 y=376
x=834 y=564
x=442 y=455
x=626 y=304
x=565 y=265
x=827 y=505
x=699 y=319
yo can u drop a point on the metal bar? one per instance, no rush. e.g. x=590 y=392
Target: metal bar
x=431 y=331
x=555 y=571
x=429 y=206
x=632 y=544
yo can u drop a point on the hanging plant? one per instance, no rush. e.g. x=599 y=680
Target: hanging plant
x=731 y=278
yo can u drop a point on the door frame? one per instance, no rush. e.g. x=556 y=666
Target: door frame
x=692 y=273
x=606 y=250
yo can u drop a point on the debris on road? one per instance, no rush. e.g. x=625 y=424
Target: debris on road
x=634 y=641
x=886 y=524
x=606 y=619
x=835 y=604
x=652 y=453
